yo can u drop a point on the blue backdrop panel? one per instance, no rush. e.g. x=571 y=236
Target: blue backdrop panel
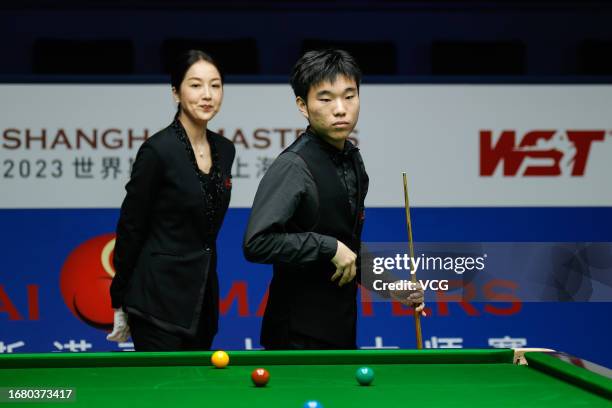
x=35 y=317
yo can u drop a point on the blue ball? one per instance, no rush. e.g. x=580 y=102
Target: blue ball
x=313 y=404
x=365 y=375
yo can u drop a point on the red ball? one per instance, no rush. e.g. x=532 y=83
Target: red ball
x=260 y=377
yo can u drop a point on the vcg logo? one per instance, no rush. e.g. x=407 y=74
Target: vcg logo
x=85 y=281
x=538 y=152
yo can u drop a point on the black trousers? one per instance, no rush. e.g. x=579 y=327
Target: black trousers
x=149 y=337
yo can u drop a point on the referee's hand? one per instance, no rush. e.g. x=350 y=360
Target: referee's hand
x=344 y=260
x=121 y=330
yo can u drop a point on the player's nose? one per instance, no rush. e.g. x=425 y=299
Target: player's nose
x=339 y=108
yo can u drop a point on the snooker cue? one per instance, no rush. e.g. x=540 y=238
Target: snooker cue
x=417 y=316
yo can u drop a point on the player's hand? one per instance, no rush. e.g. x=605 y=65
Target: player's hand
x=121 y=330
x=344 y=260
x=412 y=298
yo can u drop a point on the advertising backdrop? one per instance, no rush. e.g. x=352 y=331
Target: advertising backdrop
x=485 y=163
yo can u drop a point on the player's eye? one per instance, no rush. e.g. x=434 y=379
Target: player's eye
x=350 y=96
x=195 y=85
x=325 y=99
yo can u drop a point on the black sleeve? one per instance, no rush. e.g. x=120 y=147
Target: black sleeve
x=279 y=194
x=134 y=219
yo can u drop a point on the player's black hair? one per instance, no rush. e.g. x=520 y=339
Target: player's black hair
x=183 y=62
x=315 y=67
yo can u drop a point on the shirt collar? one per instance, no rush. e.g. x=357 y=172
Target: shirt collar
x=348 y=149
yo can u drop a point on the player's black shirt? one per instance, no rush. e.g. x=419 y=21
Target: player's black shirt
x=288 y=184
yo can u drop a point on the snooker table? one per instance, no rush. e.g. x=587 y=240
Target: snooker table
x=403 y=378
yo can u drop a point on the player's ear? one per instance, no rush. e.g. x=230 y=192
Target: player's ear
x=175 y=95
x=301 y=104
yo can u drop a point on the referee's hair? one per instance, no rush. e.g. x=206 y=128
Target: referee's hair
x=315 y=67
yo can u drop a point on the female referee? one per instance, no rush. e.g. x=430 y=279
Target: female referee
x=165 y=289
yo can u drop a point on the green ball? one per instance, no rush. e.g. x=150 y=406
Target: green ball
x=364 y=375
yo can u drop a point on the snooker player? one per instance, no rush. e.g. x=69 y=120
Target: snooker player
x=308 y=214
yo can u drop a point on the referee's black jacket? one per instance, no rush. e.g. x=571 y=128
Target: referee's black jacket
x=165 y=250
x=310 y=197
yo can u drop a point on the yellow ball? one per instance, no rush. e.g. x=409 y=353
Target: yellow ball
x=220 y=359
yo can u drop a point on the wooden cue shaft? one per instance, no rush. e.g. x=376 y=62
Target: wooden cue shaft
x=417 y=317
